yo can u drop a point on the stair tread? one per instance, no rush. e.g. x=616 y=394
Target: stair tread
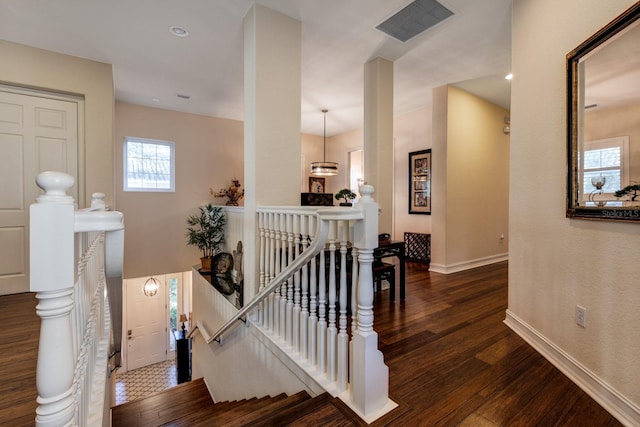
x=163 y=407
x=292 y=412
x=279 y=404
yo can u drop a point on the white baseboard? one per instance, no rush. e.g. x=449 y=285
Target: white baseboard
x=467 y=265
x=615 y=403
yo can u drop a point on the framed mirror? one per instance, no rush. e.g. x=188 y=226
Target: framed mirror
x=603 y=78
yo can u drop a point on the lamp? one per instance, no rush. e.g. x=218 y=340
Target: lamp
x=598 y=182
x=183 y=318
x=151 y=286
x=324 y=168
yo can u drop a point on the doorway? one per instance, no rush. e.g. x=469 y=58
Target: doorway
x=149 y=320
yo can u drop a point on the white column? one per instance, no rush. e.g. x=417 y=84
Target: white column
x=378 y=136
x=272 y=57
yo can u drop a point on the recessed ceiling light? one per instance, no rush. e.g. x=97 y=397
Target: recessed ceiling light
x=155 y=99
x=178 y=31
x=508 y=76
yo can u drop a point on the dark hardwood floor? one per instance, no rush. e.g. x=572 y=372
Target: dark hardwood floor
x=452 y=361
x=19 y=338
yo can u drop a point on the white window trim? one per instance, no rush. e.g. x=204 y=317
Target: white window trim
x=172 y=185
x=599 y=144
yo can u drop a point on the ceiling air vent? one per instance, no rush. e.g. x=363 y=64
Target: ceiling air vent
x=415 y=18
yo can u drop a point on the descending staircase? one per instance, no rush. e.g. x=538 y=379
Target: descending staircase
x=189 y=404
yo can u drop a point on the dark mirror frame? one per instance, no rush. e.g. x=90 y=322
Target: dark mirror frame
x=574 y=210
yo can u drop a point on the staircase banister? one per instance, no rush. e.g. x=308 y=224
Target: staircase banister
x=317 y=245
x=96 y=220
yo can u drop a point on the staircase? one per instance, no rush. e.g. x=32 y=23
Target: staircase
x=189 y=404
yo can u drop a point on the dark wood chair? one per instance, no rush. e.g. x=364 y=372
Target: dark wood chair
x=384 y=271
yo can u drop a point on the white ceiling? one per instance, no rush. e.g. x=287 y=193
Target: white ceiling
x=338 y=38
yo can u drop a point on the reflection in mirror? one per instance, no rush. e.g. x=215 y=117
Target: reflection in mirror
x=604 y=114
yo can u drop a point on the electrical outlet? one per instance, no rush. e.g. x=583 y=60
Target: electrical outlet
x=581 y=316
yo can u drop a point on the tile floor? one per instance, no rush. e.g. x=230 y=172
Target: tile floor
x=145 y=381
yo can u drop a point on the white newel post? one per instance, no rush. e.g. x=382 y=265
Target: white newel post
x=52 y=278
x=369 y=375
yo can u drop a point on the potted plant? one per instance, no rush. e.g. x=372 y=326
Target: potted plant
x=206 y=231
x=346 y=195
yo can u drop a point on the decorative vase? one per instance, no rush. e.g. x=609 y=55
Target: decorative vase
x=206 y=263
x=346 y=204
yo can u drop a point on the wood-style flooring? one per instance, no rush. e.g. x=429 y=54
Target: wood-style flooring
x=452 y=361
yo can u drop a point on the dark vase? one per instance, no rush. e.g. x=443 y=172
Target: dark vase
x=346 y=204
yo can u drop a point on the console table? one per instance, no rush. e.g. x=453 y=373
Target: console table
x=183 y=356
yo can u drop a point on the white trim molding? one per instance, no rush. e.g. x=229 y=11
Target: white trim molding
x=467 y=265
x=611 y=400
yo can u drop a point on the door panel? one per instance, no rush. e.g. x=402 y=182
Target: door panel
x=36 y=134
x=146 y=319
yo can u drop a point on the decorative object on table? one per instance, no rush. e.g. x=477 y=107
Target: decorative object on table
x=420 y=182
x=347 y=196
x=238 y=255
x=221 y=274
x=183 y=318
x=151 y=286
x=629 y=190
x=316 y=185
x=324 y=168
x=206 y=231
x=316 y=199
x=232 y=193
x=598 y=182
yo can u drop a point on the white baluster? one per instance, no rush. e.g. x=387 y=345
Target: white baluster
x=322 y=315
x=343 y=338
x=296 y=283
x=313 y=299
x=304 y=309
x=332 y=331
x=290 y=282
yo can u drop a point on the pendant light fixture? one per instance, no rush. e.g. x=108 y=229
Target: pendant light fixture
x=324 y=168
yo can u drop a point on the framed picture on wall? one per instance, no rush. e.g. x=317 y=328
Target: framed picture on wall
x=420 y=182
x=316 y=185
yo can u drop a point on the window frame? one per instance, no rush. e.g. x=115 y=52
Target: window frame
x=621 y=142
x=125 y=165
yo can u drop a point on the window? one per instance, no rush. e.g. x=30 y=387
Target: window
x=149 y=165
x=608 y=158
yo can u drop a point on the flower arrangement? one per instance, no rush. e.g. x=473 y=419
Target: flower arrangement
x=232 y=193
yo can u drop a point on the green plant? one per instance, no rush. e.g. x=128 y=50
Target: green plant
x=206 y=229
x=629 y=189
x=346 y=195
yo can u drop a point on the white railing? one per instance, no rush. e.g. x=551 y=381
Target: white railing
x=310 y=261
x=76 y=262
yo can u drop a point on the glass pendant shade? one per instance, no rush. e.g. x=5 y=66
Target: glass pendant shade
x=324 y=168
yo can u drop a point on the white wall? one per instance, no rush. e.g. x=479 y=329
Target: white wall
x=556 y=262
x=240 y=368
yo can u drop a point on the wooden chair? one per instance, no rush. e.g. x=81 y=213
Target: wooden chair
x=385 y=271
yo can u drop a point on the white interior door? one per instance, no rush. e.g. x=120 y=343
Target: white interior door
x=37 y=134
x=146 y=320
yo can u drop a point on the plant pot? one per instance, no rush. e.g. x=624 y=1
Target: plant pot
x=206 y=263
x=346 y=204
